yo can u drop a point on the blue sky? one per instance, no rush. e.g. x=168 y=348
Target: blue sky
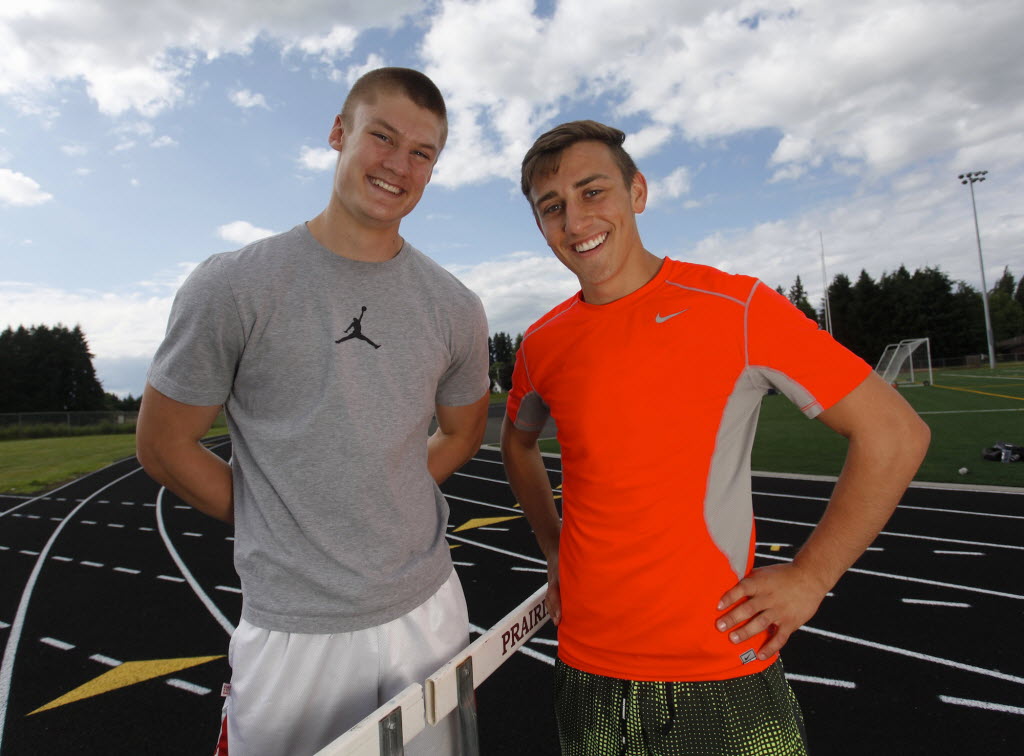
x=135 y=143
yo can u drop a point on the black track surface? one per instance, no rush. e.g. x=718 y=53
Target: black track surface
x=877 y=671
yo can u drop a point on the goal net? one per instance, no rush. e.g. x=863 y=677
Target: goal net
x=907 y=363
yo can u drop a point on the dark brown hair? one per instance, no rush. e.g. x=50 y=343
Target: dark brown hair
x=544 y=156
x=415 y=85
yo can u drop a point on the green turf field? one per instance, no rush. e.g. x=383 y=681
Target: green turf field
x=967 y=410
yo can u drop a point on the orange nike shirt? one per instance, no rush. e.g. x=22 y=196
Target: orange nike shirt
x=656 y=398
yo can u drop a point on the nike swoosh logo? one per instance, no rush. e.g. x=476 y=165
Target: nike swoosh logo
x=659 y=319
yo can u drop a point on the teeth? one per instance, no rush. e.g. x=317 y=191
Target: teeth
x=591 y=243
x=385 y=186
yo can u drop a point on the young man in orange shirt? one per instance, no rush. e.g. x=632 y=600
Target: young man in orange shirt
x=654 y=373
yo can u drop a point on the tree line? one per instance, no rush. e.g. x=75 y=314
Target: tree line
x=44 y=369
x=49 y=369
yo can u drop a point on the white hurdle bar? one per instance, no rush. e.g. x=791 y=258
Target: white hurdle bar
x=385 y=731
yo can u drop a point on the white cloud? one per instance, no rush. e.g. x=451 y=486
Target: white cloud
x=21 y=191
x=373 y=61
x=317 y=158
x=878 y=84
x=138 y=58
x=518 y=288
x=74 y=150
x=673 y=186
x=242 y=232
x=163 y=141
x=243 y=98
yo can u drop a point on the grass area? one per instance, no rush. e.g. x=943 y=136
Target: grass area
x=498 y=397
x=34 y=465
x=967 y=410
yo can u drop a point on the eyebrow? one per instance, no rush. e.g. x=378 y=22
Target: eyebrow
x=582 y=182
x=381 y=123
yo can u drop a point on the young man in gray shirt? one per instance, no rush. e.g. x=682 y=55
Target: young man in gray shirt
x=331 y=346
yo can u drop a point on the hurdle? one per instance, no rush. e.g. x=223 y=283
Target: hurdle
x=385 y=731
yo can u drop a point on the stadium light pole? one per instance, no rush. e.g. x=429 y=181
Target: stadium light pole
x=970 y=179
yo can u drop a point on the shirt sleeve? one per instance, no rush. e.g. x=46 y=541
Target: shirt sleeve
x=197 y=360
x=525 y=407
x=466 y=379
x=786 y=350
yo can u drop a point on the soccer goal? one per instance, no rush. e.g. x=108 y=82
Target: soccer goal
x=906 y=363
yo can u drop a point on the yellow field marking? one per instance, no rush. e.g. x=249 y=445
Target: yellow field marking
x=983 y=393
x=455 y=546
x=123 y=675
x=775 y=547
x=480 y=522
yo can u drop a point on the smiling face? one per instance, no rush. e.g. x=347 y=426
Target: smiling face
x=588 y=217
x=387 y=155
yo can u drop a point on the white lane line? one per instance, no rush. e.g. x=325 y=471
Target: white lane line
x=900 y=507
x=149 y=504
x=495 y=530
x=958 y=553
x=56 y=519
x=62 y=558
x=211 y=607
x=230 y=538
x=199 y=690
x=525 y=650
x=88 y=522
x=915 y=655
x=495 y=548
x=479 y=477
x=463 y=564
x=987 y=705
x=904 y=535
x=907 y=579
x=499 y=462
x=106 y=660
x=5 y=548
x=32 y=517
x=4 y=625
x=485 y=504
x=171 y=578
x=182 y=506
x=928 y=602
x=57 y=643
x=546 y=641
x=27 y=552
x=530 y=569
x=146 y=529
x=193 y=535
x=114 y=525
x=127 y=503
x=961 y=511
x=128 y=570
x=821 y=681
x=227 y=588
x=87 y=563
x=874 y=548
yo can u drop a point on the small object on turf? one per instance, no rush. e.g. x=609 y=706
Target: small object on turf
x=962 y=471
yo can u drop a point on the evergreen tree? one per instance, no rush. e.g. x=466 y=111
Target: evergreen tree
x=46 y=369
x=798 y=296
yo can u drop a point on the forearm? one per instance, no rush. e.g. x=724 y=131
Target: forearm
x=446 y=453
x=524 y=466
x=876 y=473
x=194 y=473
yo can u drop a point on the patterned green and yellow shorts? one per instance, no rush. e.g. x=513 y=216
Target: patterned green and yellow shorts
x=756 y=715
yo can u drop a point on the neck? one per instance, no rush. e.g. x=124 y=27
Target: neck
x=345 y=238
x=624 y=283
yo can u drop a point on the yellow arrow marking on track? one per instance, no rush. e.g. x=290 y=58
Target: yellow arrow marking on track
x=123 y=675
x=983 y=393
x=480 y=522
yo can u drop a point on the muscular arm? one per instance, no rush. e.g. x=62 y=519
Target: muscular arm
x=460 y=431
x=888 y=440
x=167 y=445
x=529 y=481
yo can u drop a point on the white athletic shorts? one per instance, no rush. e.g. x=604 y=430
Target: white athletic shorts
x=294 y=693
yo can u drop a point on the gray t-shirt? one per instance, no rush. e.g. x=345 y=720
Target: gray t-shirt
x=329 y=370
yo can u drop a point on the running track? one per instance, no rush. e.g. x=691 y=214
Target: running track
x=117 y=602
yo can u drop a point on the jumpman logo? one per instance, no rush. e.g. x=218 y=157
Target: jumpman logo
x=356 y=326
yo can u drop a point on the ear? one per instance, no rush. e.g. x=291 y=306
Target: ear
x=638 y=192
x=337 y=134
